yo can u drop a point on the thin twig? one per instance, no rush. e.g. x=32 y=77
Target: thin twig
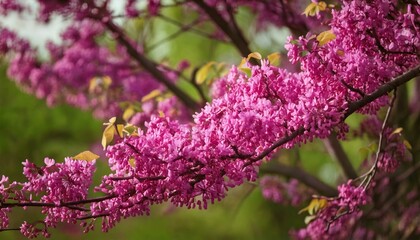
x=64 y=204
x=353 y=89
x=236 y=37
x=191 y=30
x=150 y=66
x=172 y=36
x=408 y=172
x=9 y=229
x=372 y=172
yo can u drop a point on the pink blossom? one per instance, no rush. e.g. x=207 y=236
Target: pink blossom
x=7 y=6
x=351 y=196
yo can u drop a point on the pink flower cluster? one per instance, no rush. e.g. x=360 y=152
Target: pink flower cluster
x=372 y=45
x=32 y=231
x=4 y=195
x=351 y=196
x=394 y=148
x=7 y=6
x=56 y=80
x=10 y=41
x=338 y=219
x=93 y=9
x=59 y=183
x=282 y=192
x=59 y=188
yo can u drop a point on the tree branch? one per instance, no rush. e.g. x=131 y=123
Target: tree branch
x=353 y=106
x=277 y=144
x=9 y=229
x=235 y=36
x=191 y=29
x=65 y=204
x=150 y=66
x=302 y=176
x=382 y=90
x=335 y=149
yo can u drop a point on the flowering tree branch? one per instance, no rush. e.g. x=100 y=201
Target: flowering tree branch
x=382 y=90
x=353 y=107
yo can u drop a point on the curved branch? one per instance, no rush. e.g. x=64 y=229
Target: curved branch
x=277 y=144
x=235 y=35
x=150 y=66
x=302 y=176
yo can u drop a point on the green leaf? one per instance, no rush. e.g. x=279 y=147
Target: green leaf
x=130 y=129
x=120 y=129
x=128 y=113
x=397 y=130
x=314 y=8
x=304 y=53
x=325 y=37
x=407 y=144
x=86 y=156
x=274 y=59
x=372 y=147
x=294 y=42
x=246 y=70
x=132 y=162
x=255 y=55
x=108 y=135
x=309 y=219
x=364 y=152
x=111 y=121
x=315 y=205
x=153 y=94
x=99 y=82
x=202 y=74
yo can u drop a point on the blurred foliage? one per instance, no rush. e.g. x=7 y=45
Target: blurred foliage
x=31 y=130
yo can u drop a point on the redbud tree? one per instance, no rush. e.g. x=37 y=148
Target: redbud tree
x=188 y=146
